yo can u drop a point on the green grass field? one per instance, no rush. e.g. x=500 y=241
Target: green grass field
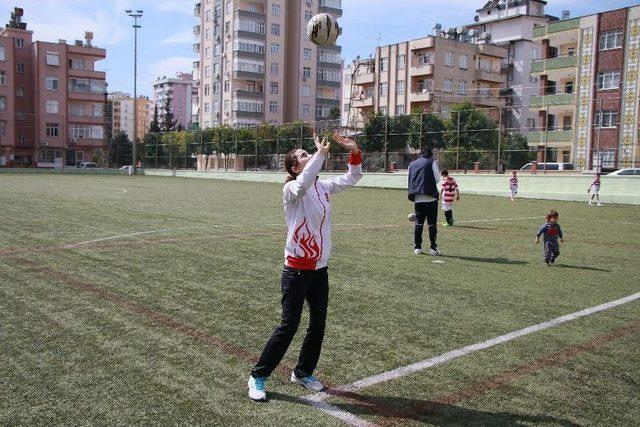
x=163 y=326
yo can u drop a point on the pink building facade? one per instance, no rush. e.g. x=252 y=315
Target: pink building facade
x=51 y=100
x=182 y=90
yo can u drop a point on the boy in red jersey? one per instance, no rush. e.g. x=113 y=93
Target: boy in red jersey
x=448 y=193
x=594 y=191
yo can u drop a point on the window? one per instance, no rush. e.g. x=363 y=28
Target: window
x=275 y=29
x=52 y=129
x=207 y=89
x=21 y=115
x=401 y=62
x=400 y=87
x=611 y=39
x=20 y=68
x=308 y=15
x=462 y=88
x=3 y=103
x=306 y=72
x=207 y=34
x=448 y=85
x=463 y=62
x=216 y=88
x=307 y=53
x=531 y=124
x=74 y=109
x=606 y=119
x=305 y=109
x=485 y=90
x=3 y=127
x=216 y=50
x=207 y=107
x=19 y=42
x=244 y=46
x=274 y=68
x=2 y=54
x=98 y=110
x=608 y=80
x=571 y=51
x=273 y=106
x=399 y=109
x=383 y=110
x=52 y=83
x=226 y=86
x=275 y=48
x=273 y=87
x=208 y=15
x=306 y=91
x=535 y=53
x=53 y=58
x=384 y=64
x=52 y=106
x=384 y=89
x=207 y=53
x=275 y=9
x=20 y=137
x=3 y=78
x=20 y=92
x=448 y=59
x=207 y=71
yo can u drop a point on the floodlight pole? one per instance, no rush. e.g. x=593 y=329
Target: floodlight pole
x=135 y=15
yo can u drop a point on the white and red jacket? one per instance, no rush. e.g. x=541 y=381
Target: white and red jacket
x=308 y=212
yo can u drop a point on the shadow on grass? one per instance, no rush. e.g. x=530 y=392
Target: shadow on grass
x=504 y=261
x=472 y=227
x=397 y=410
x=580 y=267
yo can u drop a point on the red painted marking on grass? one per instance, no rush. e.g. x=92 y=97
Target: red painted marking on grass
x=394 y=416
x=152 y=315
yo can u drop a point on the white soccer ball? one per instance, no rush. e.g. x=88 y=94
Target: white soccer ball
x=412 y=217
x=323 y=29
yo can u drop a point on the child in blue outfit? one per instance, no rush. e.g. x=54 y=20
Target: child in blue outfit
x=551 y=231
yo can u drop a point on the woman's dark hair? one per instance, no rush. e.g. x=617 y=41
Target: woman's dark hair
x=444 y=172
x=291 y=161
x=427 y=152
x=552 y=214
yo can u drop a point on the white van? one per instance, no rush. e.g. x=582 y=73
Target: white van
x=550 y=167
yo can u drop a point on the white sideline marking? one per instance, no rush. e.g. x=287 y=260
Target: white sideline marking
x=319 y=403
x=121 y=190
x=438 y=262
x=454 y=354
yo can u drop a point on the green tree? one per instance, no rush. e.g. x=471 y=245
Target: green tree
x=426 y=130
x=168 y=120
x=334 y=113
x=120 y=150
x=154 y=127
x=476 y=130
x=516 y=151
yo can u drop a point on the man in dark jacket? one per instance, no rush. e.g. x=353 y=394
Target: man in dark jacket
x=424 y=176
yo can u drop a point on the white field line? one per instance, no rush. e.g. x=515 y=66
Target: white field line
x=454 y=354
x=120 y=190
x=338 y=413
x=606 y=222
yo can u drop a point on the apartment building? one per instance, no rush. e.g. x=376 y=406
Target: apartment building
x=256 y=64
x=182 y=90
x=350 y=116
x=52 y=99
x=589 y=78
x=509 y=24
x=123 y=111
x=430 y=74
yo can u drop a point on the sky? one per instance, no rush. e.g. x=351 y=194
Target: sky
x=165 y=41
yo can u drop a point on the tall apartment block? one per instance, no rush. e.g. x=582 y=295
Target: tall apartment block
x=429 y=75
x=589 y=78
x=256 y=64
x=182 y=90
x=509 y=24
x=52 y=99
x=123 y=113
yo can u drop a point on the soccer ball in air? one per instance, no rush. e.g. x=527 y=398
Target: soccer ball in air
x=323 y=29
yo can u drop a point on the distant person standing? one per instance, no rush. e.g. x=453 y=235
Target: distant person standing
x=424 y=176
x=449 y=193
x=513 y=185
x=594 y=190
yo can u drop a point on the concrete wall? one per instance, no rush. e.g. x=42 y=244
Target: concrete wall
x=616 y=190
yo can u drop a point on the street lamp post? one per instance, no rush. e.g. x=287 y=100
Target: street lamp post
x=135 y=15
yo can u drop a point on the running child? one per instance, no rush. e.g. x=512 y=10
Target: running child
x=448 y=193
x=594 y=189
x=307 y=210
x=513 y=185
x=551 y=231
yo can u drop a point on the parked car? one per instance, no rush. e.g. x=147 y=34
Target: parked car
x=550 y=167
x=626 y=172
x=88 y=165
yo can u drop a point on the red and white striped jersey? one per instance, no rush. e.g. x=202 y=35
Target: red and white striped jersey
x=513 y=181
x=449 y=185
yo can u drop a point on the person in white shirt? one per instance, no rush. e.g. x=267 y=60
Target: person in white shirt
x=307 y=209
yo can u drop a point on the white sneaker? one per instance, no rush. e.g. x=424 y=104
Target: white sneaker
x=311 y=383
x=256 y=389
x=435 y=252
x=412 y=217
x=418 y=251
x=599 y=204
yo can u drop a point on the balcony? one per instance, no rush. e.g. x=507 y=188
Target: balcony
x=196 y=10
x=87 y=74
x=93 y=51
x=490 y=76
x=363 y=102
x=196 y=47
x=196 y=30
x=328 y=83
x=554 y=138
x=248 y=114
x=489 y=101
x=332 y=7
x=545 y=65
x=241 y=13
x=560 y=99
x=425 y=43
x=248 y=94
x=491 y=50
x=421 y=70
x=555 y=27
x=328 y=101
x=364 y=78
x=250 y=75
x=421 y=93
